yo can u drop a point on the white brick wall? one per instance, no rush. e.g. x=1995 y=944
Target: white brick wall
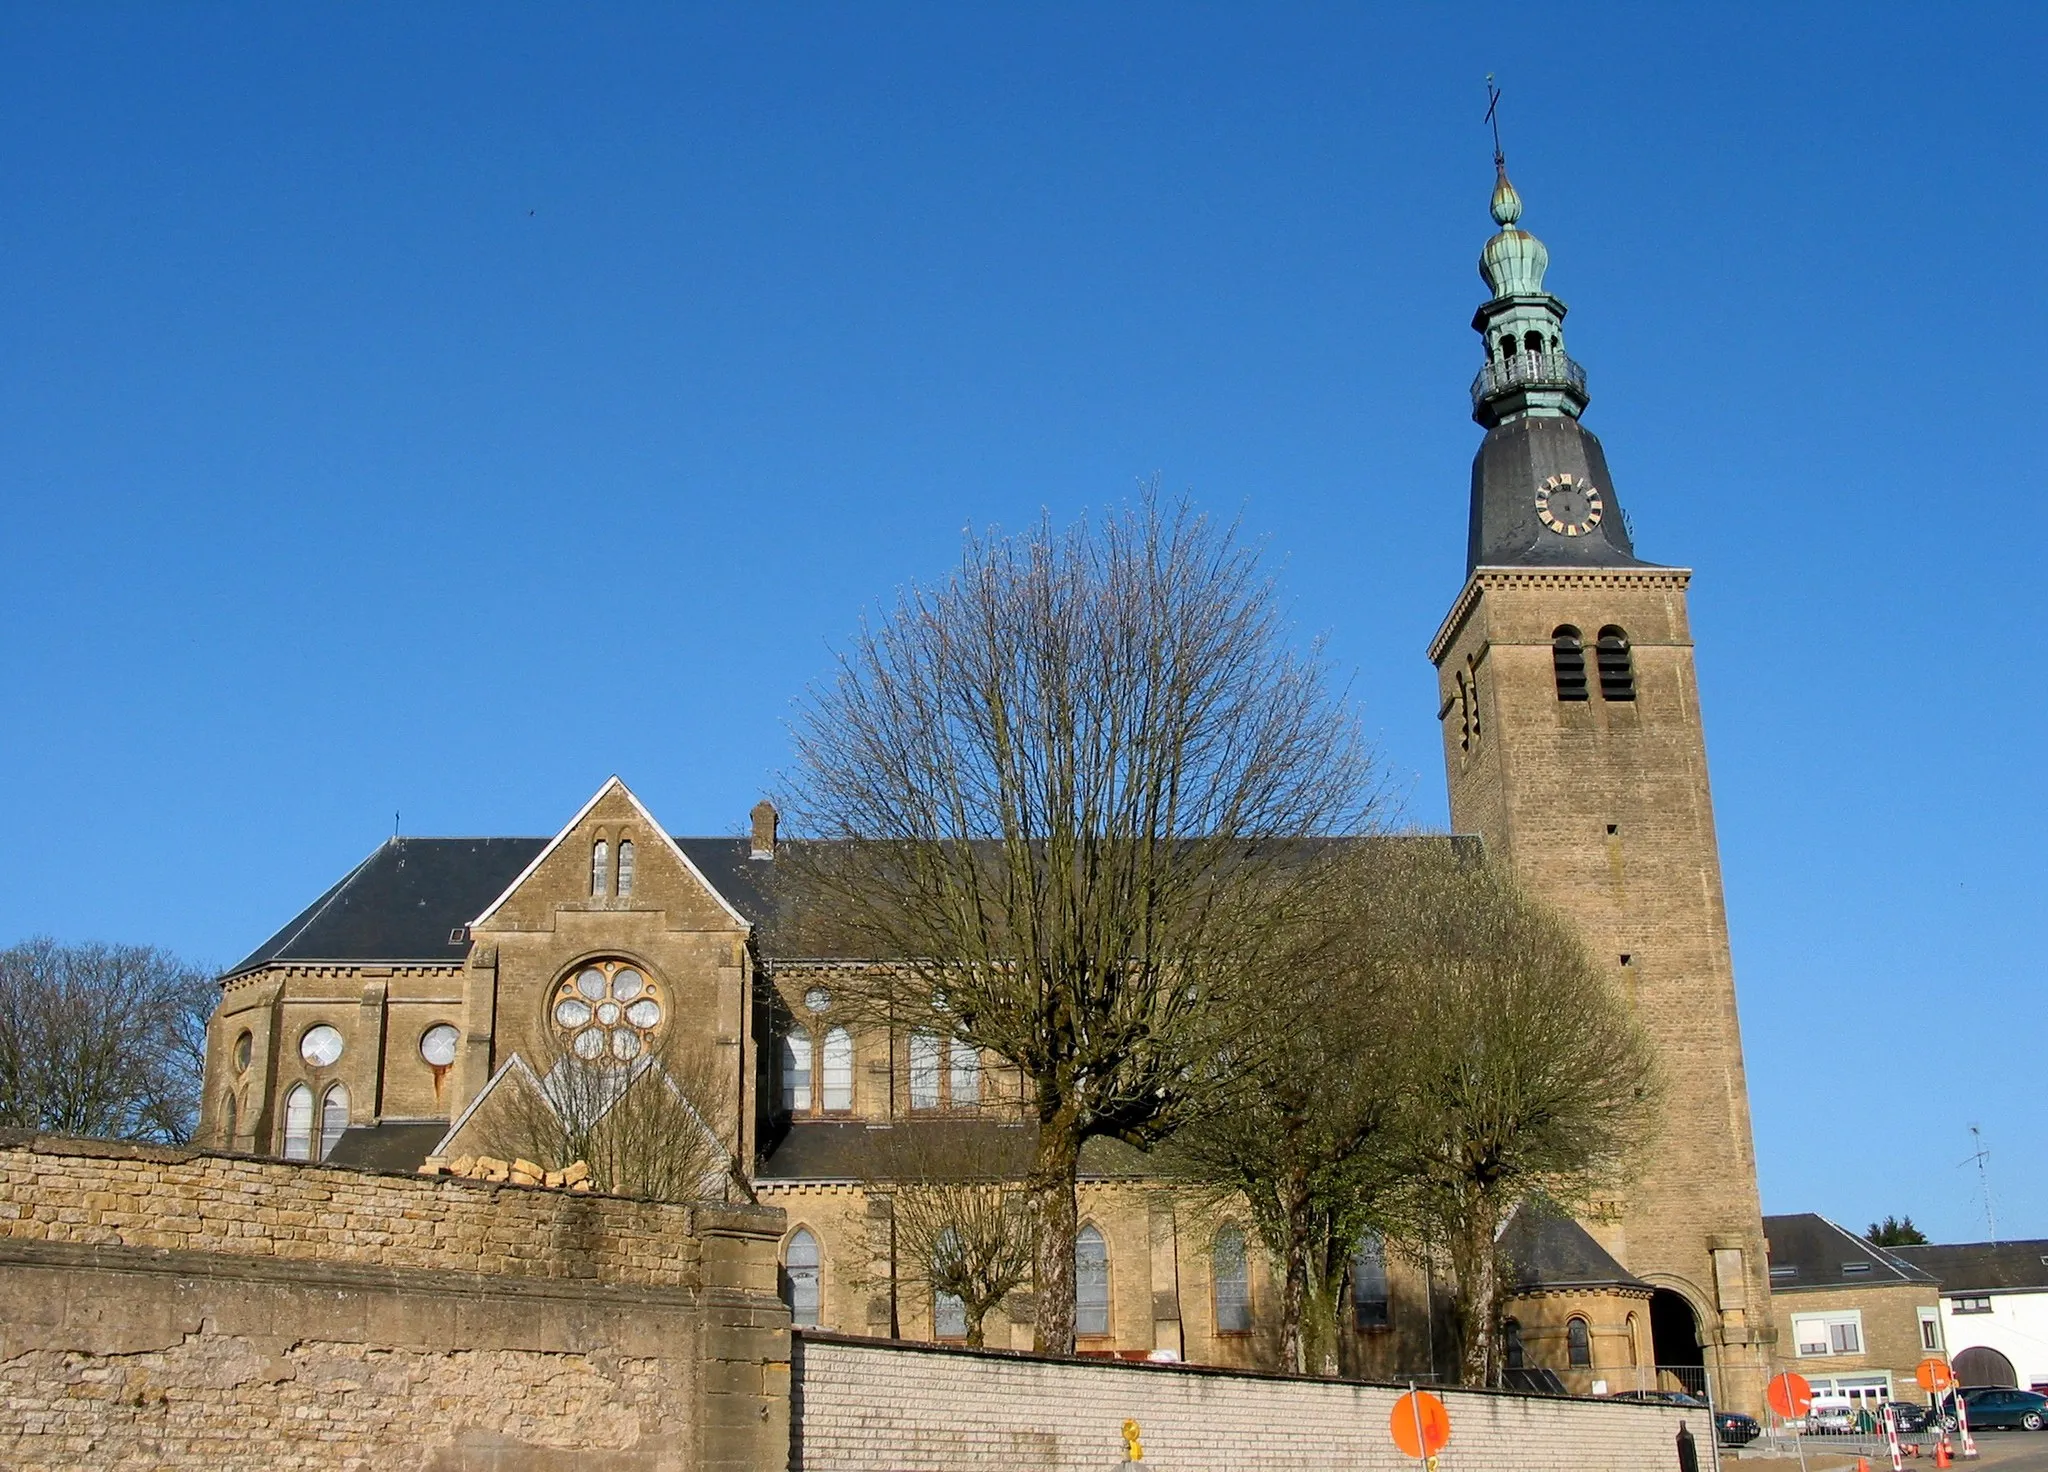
x=873 y=1407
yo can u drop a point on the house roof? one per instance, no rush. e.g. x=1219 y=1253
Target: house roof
x=396 y=1144
x=1809 y=1251
x=1982 y=1267
x=1546 y=1249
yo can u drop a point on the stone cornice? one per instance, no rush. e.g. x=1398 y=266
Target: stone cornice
x=1483 y=578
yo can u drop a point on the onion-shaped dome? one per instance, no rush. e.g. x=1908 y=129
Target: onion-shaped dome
x=1514 y=261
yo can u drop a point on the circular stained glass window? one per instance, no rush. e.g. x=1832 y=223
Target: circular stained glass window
x=437 y=1044
x=243 y=1046
x=320 y=1046
x=607 y=1010
x=817 y=999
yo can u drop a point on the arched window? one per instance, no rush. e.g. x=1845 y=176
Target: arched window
x=1507 y=345
x=333 y=1118
x=244 y=1045
x=1617 y=670
x=1568 y=660
x=1511 y=1344
x=839 y=1069
x=298 y=1123
x=1369 y=1284
x=796 y=1072
x=1533 y=341
x=949 y=1313
x=1230 y=1278
x=1091 y=1284
x=625 y=867
x=600 y=869
x=800 y=1278
x=227 y=1121
x=1630 y=1326
x=1578 y=1343
x=963 y=1072
x=924 y=1070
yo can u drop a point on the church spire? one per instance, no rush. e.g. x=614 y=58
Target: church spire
x=1527 y=371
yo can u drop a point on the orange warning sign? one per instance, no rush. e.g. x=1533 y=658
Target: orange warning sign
x=1934 y=1374
x=1789 y=1394
x=1421 y=1425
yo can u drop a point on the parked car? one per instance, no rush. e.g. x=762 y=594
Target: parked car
x=1732 y=1427
x=1993 y=1407
x=1909 y=1416
x=1831 y=1417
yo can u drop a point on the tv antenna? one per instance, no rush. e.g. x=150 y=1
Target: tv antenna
x=1500 y=161
x=1981 y=1155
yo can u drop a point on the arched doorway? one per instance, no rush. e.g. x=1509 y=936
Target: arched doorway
x=1982 y=1365
x=1675 y=1337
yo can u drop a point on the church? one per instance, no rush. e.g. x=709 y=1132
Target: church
x=374 y=1029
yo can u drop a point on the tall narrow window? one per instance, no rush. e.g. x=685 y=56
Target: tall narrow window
x=1091 y=1284
x=1634 y=1351
x=796 y=1072
x=1568 y=660
x=1231 y=1278
x=1578 y=1343
x=1511 y=1343
x=227 y=1121
x=949 y=1313
x=800 y=1278
x=298 y=1123
x=924 y=1070
x=600 y=869
x=1617 y=670
x=625 y=867
x=333 y=1118
x=1369 y=1284
x=963 y=1073
x=839 y=1069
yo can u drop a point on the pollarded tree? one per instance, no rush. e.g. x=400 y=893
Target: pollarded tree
x=1529 y=1079
x=1068 y=786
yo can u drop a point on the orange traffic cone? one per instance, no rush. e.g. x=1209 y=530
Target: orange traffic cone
x=1941 y=1452
x=1863 y=1464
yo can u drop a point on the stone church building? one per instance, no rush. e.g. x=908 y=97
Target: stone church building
x=373 y=1028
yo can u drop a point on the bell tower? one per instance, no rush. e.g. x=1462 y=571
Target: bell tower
x=1573 y=746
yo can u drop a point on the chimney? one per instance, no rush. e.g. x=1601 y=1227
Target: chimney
x=764 y=816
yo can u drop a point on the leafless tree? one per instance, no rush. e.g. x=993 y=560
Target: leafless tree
x=962 y=1226
x=659 y=1127
x=1530 y=1080
x=1069 y=787
x=102 y=1040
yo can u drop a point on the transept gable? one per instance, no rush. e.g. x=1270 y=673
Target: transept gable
x=611 y=857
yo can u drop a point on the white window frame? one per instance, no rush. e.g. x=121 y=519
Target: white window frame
x=1930 y=1329
x=1829 y=1324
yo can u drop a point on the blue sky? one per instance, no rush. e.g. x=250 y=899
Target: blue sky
x=437 y=410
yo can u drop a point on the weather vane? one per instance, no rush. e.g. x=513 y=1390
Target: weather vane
x=1493 y=116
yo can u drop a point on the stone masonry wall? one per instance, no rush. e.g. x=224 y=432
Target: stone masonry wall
x=164 y=1308
x=866 y=1406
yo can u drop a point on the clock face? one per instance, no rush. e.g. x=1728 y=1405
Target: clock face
x=1568 y=506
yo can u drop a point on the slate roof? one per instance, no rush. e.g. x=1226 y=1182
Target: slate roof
x=392 y=1145
x=1809 y=1251
x=1982 y=1267
x=1548 y=1250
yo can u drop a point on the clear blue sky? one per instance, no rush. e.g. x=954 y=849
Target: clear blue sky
x=436 y=409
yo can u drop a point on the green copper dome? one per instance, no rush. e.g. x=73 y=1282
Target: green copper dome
x=1514 y=261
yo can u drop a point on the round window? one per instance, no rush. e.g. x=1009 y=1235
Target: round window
x=243 y=1044
x=437 y=1044
x=817 y=999
x=609 y=1009
x=320 y=1046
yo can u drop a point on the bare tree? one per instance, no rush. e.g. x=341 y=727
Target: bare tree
x=102 y=1040
x=1530 y=1081
x=1069 y=785
x=658 y=1127
x=962 y=1227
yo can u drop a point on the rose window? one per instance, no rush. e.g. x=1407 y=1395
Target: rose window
x=608 y=1009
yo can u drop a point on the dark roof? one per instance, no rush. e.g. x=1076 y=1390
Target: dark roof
x=394 y=1145
x=1809 y=1251
x=858 y=1150
x=1982 y=1267
x=1513 y=461
x=1546 y=1249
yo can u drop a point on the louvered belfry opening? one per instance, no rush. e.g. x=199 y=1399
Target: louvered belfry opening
x=1617 y=670
x=1568 y=657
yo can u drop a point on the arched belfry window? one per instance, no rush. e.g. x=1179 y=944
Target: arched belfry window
x=1507 y=345
x=800 y=1278
x=1568 y=660
x=625 y=867
x=1533 y=341
x=1578 y=1343
x=1230 y=1275
x=333 y=1118
x=298 y=1123
x=1091 y=1284
x=600 y=869
x=1617 y=668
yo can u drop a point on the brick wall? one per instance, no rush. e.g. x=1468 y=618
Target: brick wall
x=166 y=1308
x=863 y=1406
